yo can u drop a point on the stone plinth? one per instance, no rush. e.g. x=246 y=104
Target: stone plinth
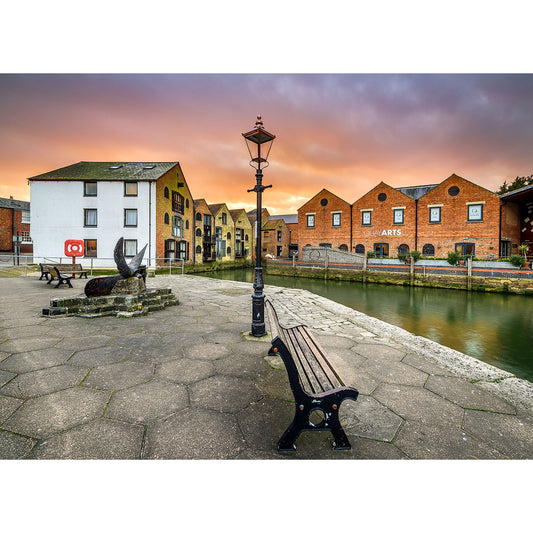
x=133 y=285
x=121 y=305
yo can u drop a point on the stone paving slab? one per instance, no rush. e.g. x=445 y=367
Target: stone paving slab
x=186 y=382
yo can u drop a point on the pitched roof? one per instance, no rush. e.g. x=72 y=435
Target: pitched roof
x=109 y=171
x=416 y=191
x=289 y=219
x=235 y=213
x=214 y=208
x=273 y=223
x=10 y=203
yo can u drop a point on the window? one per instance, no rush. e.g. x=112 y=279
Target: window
x=224 y=218
x=198 y=232
x=198 y=250
x=382 y=196
x=207 y=220
x=324 y=202
x=367 y=218
x=167 y=218
x=434 y=215
x=177 y=202
x=343 y=247
x=90 y=248
x=130 y=188
x=25 y=217
x=187 y=224
x=89 y=188
x=279 y=235
x=403 y=249
x=311 y=221
x=183 y=252
x=198 y=217
x=130 y=247
x=90 y=218
x=360 y=249
x=177 y=226
x=325 y=244
x=475 y=213
x=465 y=248
x=130 y=218
x=229 y=250
x=228 y=236
x=428 y=249
x=187 y=203
x=453 y=191
x=381 y=249
x=167 y=193
x=25 y=236
x=398 y=216
x=336 y=220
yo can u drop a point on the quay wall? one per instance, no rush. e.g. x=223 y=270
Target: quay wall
x=481 y=280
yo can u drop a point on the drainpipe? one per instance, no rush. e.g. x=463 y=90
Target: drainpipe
x=194 y=234
x=500 y=231
x=416 y=224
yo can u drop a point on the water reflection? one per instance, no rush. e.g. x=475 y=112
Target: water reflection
x=495 y=328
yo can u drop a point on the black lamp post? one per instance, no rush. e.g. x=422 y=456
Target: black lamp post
x=259 y=143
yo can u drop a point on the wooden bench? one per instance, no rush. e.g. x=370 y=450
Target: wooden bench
x=61 y=277
x=66 y=269
x=317 y=388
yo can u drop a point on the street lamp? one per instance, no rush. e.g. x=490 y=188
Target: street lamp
x=259 y=143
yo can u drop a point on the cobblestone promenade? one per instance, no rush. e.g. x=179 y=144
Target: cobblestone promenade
x=184 y=383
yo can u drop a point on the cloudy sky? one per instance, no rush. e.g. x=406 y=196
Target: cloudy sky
x=344 y=132
x=69 y=93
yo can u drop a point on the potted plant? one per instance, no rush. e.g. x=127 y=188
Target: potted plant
x=517 y=260
x=524 y=249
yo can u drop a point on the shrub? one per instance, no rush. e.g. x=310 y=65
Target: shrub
x=453 y=257
x=415 y=254
x=402 y=256
x=518 y=260
x=370 y=254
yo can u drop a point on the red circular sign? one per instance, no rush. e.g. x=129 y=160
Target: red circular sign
x=74 y=248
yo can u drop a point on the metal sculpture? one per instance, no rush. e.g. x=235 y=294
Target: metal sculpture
x=104 y=285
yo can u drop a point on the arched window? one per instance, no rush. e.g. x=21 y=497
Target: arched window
x=167 y=194
x=428 y=249
x=359 y=249
x=343 y=247
x=198 y=232
x=186 y=224
x=229 y=250
x=199 y=217
x=187 y=203
x=246 y=237
x=167 y=219
x=403 y=249
x=228 y=236
x=198 y=250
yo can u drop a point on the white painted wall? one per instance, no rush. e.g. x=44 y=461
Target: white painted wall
x=57 y=215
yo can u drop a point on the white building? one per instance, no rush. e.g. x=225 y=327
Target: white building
x=99 y=202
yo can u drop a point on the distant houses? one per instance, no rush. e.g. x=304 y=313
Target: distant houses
x=150 y=203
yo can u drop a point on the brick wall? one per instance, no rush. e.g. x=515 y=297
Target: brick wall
x=392 y=218
x=170 y=183
x=327 y=209
x=454 y=197
x=10 y=224
x=271 y=243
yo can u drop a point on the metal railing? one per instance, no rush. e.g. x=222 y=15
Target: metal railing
x=29 y=262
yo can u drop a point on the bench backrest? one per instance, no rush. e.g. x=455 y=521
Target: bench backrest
x=314 y=371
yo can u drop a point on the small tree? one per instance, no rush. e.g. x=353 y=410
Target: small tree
x=524 y=249
x=415 y=254
x=517 y=261
x=453 y=258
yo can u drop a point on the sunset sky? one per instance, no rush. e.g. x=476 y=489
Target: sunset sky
x=344 y=132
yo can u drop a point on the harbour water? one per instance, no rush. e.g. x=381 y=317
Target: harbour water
x=495 y=328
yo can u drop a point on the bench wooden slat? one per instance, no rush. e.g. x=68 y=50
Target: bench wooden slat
x=305 y=353
x=325 y=365
x=307 y=376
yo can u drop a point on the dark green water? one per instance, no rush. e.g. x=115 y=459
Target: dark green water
x=495 y=328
